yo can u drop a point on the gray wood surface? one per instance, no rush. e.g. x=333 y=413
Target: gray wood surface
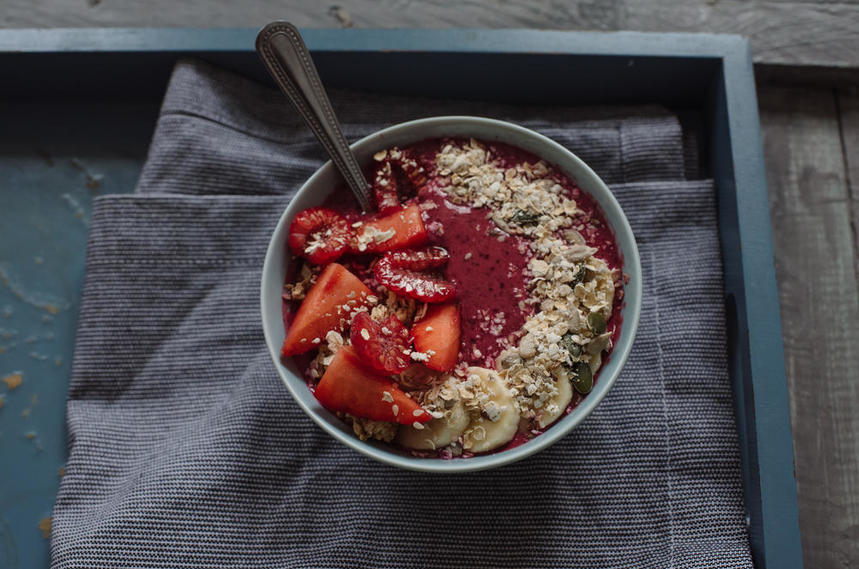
x=848 y=105
x=816 y=269
x=782 y=32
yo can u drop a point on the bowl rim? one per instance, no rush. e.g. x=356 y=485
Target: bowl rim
x=562 y=427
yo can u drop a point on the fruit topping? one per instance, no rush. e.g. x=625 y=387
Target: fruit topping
x=497 y=423
x=420 y=259
x=437 y=334
x=385 y=188
x=398 y=177
x=329 y=305
x=438 y=433
x=409 y=165
x=319 y=235
x=417 y=376
x=398 y=230
x=556 y=405
x=349 y=387
x=384 y=346
x=396 y=273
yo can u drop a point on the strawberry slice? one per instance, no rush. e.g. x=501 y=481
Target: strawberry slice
x=398 y=230
x=385 y=188
x=348 y=387
x=419 y=259
x=410 y=167
x=437 y=334
x=416 y=376
x=319 y=235
x=329 y=305
x=381 y=346
x=398 y=176
x=398 y=271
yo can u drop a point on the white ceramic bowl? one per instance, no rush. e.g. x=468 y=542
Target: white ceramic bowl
x=315 y=191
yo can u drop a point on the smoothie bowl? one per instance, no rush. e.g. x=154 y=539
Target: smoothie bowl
x=477 y=317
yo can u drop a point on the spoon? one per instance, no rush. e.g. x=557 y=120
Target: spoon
x=286 y=57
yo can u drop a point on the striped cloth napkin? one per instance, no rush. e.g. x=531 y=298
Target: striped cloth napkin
x=186 y=450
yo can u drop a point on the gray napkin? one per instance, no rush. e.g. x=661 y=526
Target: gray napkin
x=187 y=451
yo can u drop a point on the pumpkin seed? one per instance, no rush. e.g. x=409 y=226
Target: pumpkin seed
x=571 y=346
x=596 y=322
x=523 y=217
x=583 y=381
x=579 y=276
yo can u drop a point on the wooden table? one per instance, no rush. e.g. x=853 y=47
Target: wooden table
x=807 y=59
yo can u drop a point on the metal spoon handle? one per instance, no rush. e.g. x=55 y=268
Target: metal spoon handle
x=286 y=57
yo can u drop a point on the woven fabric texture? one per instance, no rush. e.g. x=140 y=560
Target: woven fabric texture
x=186 y=450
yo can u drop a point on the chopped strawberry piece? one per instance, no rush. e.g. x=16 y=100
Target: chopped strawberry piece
x=398 y=271
x=383 y=347
x=348 y=387
x=398 y=177
x=437 y=334
x=420 y=259
x=329 y=305
x=417 y=376
x=410 y=167
x=401 y=229
x=319 y=235
x=385 y=188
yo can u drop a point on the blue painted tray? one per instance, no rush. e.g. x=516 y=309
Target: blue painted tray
x=77 y=109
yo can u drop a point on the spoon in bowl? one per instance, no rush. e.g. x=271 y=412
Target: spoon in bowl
x=287 y=59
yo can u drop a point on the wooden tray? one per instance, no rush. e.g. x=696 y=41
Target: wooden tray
x=77 y=109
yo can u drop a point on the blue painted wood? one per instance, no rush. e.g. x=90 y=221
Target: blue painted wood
x=765 y=350
x=108 y=69
x=756 y=353
x=55 y=159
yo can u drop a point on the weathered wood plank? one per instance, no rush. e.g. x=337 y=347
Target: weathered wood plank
x=782 y=32
x=792 y=33
x=815 y=256
x=848 y=103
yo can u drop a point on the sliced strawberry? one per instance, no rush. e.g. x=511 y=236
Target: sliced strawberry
x=410 y=167
x=348 y=387
x=385 y=188
x=398 y=177
x=419 y=259
x=319 y=235
x=383 y=347
x=417 y=376
x=437 y=334
x=329 y=305
x=394 y=271
x=401 y=229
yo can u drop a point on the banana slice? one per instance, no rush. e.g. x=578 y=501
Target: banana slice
x=437 y=433
x=482 y=433
x=555 y=407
